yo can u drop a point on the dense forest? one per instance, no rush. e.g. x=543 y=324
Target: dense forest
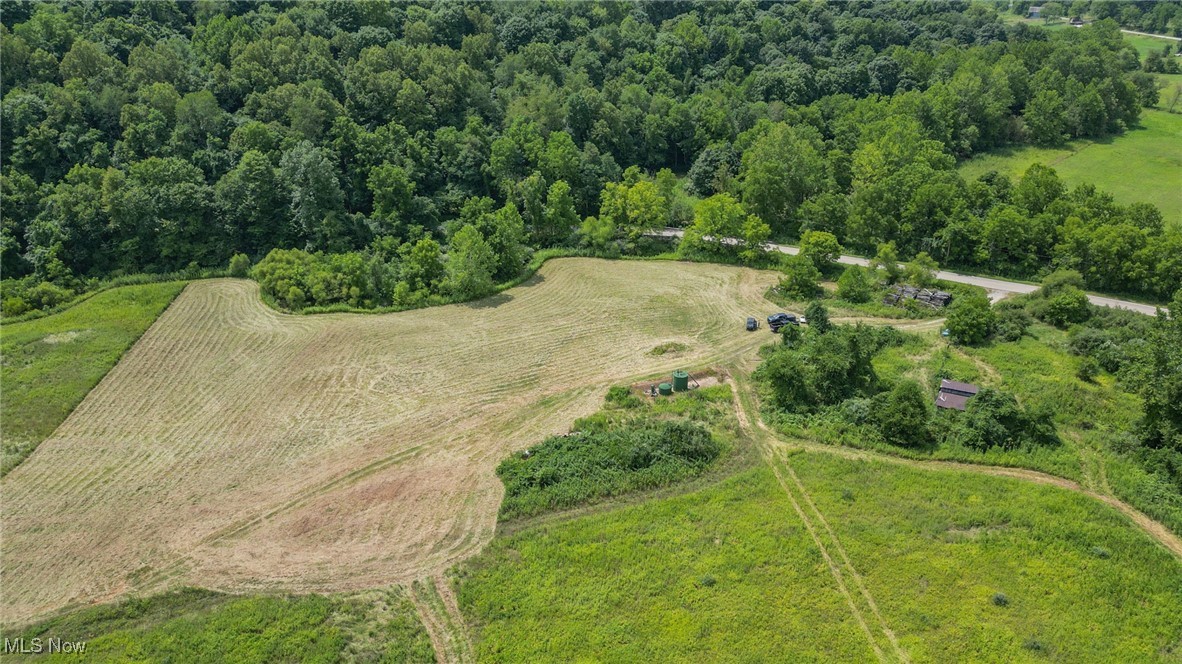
x=368 y=153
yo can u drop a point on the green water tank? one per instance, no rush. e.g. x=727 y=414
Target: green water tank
x=680 y=380
x=665 y=389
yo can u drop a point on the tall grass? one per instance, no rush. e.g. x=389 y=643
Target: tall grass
x=193 y=625
x=52 y=362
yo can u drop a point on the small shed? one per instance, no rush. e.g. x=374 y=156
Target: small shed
x=1077 y=22
x=954 y=394
x=1034 y=12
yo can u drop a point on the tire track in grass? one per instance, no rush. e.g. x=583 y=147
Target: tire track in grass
x=1152 y=527
x=445 y=626
x=833 y=567
x=886 y=630
x=775 y=459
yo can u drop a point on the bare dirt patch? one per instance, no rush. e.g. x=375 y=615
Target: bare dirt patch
x=63 y=337
x=237 y=448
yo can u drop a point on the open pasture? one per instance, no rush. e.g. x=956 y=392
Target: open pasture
x=1141 y=165
x=824 y=558
x=238 y=448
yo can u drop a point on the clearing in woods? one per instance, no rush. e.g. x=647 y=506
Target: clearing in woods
x=1140 y=165
x=238 y=448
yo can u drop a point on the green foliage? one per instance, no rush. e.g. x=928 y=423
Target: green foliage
x=824 y=369
x=195 y=625
x=1012 y=321
x=993 y=418
x=296 y=278
x=634 y=209
x=621 y=396
x=723 y=228
x=822 y=248
x=921 y=271
x=818 y=317
x=239 y=266
x=790 y=335
x=971 y=320
x=598 y=462
x=902 y=414
x=470 y=264
x=1088 y=369
x=886 y=262
x=801 y=278
x=1070 y=305
x=1059 y=280
x=559 y=216
x=151 y=141
x=781 y=169
x=854 y=286
x=1162 y=391
x=51 y=363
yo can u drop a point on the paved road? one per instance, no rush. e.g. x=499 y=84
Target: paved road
x=998 y=288
x=1150 y=34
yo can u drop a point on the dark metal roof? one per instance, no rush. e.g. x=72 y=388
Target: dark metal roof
x=968 y=389
x=951 y=400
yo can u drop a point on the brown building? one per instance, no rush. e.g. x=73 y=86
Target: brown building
x=954 y=394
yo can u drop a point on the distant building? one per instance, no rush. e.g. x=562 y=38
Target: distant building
x=1077 y=22
x=1034 y=12
x=954 y=395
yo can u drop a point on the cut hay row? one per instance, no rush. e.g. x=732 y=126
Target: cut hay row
x=238 y=448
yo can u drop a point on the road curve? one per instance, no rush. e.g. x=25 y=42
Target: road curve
x=998 y=288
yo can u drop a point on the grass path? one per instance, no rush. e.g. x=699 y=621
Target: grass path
x=1150 y=526
x=815 y=522
x=436 y=605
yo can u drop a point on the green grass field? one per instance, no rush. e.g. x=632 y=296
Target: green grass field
x=722 y=574
x=192 y=625
x=1172 y=82
x=1080 y=583
x=50 y=363
x=1147 y=45
x=1142 y=165
x=730 y=573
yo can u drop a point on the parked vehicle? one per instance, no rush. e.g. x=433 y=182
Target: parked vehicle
x=752 y=324
x=776 y=321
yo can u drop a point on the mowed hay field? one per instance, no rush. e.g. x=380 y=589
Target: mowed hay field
x=1143 y=165
x=238 y=448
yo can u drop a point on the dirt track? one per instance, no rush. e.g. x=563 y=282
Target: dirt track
x=237 y=448
x=1153 y=528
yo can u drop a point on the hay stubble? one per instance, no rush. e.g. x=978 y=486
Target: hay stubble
x=238 y=448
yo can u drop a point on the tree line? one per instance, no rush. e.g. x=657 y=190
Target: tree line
x=395 y=153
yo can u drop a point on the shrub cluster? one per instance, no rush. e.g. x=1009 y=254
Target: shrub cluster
x=602 y=461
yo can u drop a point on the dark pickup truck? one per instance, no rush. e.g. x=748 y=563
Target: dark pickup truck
x=776 y=321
